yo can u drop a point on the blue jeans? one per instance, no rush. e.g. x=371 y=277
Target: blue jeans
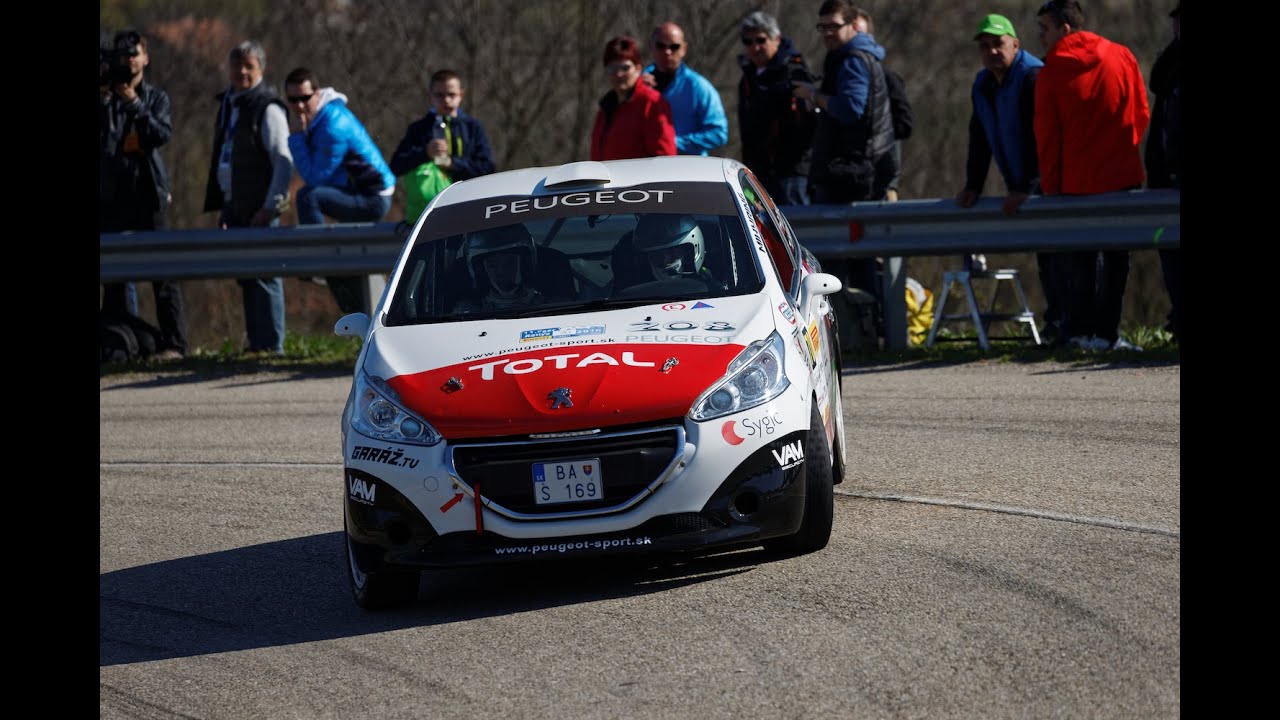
x=314 y=203
x=264 y=313
x=789 y=190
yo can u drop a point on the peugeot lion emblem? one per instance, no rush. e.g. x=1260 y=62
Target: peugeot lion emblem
x=560 y=398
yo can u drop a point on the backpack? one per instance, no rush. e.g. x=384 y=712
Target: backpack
x=899 y=105
x=421 y=185
x=125 y=338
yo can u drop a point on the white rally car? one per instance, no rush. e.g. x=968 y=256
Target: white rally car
x=628 y=356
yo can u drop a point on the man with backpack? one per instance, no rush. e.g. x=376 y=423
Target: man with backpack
x=854 y=131
x=889 y=168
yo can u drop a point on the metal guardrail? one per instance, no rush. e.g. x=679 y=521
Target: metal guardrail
x=1135 y=220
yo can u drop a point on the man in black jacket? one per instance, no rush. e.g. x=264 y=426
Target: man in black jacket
x=248 y=182
x=133 y=187
x=776 y=126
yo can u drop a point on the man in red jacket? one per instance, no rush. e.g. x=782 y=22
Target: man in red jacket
x=1090 y=114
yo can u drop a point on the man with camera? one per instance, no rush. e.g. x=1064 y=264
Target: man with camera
x=133 y=187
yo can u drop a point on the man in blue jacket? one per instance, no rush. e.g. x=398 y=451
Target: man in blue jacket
x=698 y=114
x=1001 y=128
x=854 y=132
x=344 y=173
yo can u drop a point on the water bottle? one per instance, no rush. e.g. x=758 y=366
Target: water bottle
x=440 y=132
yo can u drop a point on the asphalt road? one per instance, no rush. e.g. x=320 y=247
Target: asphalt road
x=1007 y=545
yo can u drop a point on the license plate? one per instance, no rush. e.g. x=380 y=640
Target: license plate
x=565 y=482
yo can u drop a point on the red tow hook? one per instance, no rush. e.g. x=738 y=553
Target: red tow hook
x=479 y=513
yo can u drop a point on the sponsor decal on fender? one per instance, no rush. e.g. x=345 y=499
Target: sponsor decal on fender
x=360 y=490
x=784 y=307
x=735 y=431
x=789 y=455
x=387 y=456
x=812 y=337
x=802 y=346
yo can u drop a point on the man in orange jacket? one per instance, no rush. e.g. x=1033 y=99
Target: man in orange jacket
x=1090 y=114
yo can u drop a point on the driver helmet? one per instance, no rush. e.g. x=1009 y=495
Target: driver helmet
x=663 y=238
x=513 y=240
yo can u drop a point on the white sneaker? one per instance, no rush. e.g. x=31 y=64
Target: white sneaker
x=978 y=262
x=1122 y=344
x=1089 y=343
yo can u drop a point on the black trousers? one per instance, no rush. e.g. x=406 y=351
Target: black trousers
x=170 y=315
x=1095 y=282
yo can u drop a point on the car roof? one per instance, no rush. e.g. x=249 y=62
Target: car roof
x=587 y=175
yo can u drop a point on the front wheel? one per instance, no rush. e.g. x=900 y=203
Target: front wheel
x=382 y=589
x=819 y=495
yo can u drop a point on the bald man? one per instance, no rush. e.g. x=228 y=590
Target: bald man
x=701 y=125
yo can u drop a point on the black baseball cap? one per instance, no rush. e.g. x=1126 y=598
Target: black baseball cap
x=126 y=41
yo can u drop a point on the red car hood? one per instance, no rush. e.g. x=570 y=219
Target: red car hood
x=590 y=376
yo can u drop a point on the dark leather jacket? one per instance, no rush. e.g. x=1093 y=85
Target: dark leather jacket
x=131 y=137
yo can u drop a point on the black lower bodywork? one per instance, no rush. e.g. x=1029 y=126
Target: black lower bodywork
x=764 y=497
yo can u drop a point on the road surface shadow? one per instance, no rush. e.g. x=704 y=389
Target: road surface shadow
x=296 y=591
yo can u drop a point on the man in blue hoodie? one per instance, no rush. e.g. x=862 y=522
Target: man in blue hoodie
x=854 y=130
x=855 y=126
x=696 y=110
x=776 y=126
x=343 y=171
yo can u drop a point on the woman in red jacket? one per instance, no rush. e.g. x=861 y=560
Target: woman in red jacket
x=634 y=120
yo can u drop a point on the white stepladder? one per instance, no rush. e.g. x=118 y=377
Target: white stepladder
x=982 y=320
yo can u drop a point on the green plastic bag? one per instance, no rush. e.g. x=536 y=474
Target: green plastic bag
x=425 y=182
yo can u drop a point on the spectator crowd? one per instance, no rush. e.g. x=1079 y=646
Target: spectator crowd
x=1070 y=121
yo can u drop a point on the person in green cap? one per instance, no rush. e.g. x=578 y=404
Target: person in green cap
x=1001 y=128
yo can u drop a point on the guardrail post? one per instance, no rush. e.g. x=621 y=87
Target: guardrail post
x=371 y=287
x=894 y=282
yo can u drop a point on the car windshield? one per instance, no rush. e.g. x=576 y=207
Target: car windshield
x=566 y=257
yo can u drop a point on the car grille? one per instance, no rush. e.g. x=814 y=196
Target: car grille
x=633 y=463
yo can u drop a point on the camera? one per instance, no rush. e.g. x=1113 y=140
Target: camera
x=112 y=67
x=797 y=73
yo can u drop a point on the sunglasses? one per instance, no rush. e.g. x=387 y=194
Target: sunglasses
x=754 y=41
x=673 y=47
x=830 y=27
x=301 y=98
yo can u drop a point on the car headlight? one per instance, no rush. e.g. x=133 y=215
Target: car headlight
x=378 y=414
x=755 y=377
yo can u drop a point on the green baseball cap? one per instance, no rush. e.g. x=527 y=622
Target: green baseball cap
x=995 y=25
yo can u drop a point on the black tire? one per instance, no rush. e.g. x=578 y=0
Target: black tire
x=819 y=495
x=380 y=590
x=838 y=469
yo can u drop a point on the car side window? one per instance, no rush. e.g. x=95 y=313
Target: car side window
x=784 y=261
